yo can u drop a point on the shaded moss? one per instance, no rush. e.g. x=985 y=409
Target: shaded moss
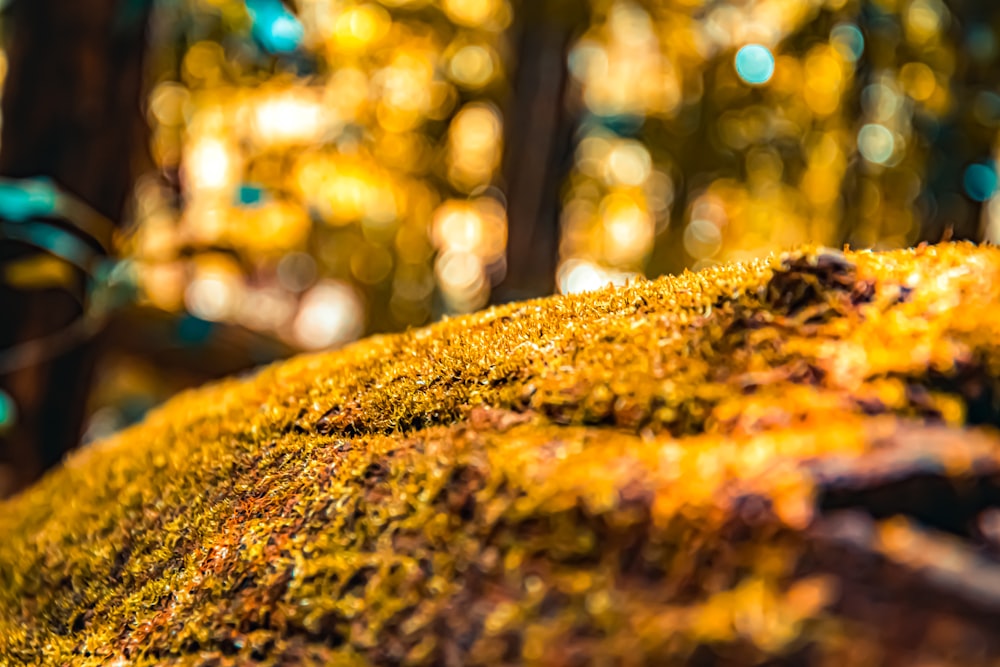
x=686 y=469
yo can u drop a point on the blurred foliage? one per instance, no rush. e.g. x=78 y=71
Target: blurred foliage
x=334 y=171
x=858 y=122
x=321 y=173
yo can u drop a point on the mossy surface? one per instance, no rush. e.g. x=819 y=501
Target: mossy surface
x=761 y=461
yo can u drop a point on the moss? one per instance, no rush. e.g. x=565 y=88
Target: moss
x=762 y=461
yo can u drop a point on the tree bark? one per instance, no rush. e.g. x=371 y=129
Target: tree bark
x=71 y=112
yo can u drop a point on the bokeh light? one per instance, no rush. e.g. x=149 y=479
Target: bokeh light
x=848 y=40
x=755 y=64
x=331 y=313
x=980 y=181
x=277 y=29
x=334 y=163
x=876 y=143
x=371 y=146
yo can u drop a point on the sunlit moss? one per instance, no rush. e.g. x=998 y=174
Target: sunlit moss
x=630 y=476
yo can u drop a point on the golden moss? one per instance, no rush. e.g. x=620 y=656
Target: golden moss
x=753 y=461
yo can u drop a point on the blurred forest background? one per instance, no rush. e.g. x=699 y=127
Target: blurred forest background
x=225 y=183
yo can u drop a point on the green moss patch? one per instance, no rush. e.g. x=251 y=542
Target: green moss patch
x=766 y=461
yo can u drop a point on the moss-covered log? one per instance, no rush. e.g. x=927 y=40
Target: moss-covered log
x=788 y=461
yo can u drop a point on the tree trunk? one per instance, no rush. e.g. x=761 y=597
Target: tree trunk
x=538 y=146
x=71 y=112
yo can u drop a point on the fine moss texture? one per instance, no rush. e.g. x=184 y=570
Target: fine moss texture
x=789 y=460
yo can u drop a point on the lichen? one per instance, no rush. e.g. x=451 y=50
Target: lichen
x=763 y=461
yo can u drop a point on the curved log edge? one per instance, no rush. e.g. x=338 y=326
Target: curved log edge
x=789 y=461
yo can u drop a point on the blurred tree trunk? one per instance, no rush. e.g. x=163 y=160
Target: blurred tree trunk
x=71 y=112
x=538 y=145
